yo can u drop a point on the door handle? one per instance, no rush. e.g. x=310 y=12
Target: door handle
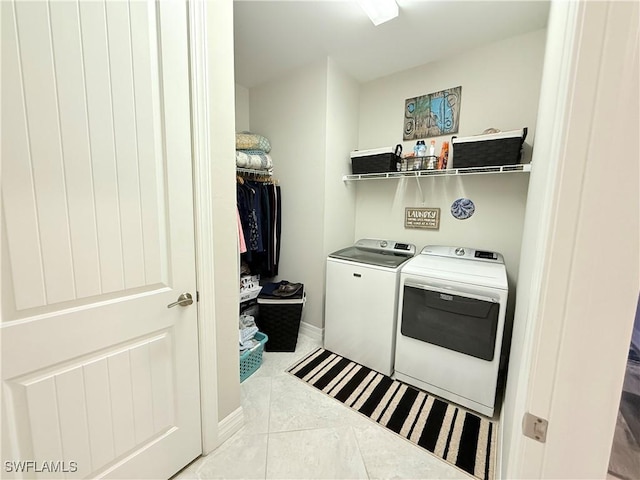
x=184 y=300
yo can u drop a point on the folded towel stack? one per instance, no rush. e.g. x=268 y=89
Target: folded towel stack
x=247 y=332
x=252 y=151
x=252 y=141
x=255 y=160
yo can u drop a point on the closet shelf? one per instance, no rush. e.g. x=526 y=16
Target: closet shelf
x=523 y=168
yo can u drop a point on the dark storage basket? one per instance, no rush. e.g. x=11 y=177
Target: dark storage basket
x=383 y=162
x=487 y=151
x=280 y=320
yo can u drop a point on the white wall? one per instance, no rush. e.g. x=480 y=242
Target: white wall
x=500 y=87
x=311 y=118
x=496 y=224
x=291 y=113
x=242 y=109
x=343 y=94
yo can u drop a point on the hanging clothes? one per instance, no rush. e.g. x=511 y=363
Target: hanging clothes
x=244 y=202
x=241 y=241
x=276 y=222
x=259 y=207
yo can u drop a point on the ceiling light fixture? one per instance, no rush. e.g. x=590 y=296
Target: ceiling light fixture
x=379 y=11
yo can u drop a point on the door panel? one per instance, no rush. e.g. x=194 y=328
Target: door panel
x=125 y=395
x=89 y=159
x=18 y=195
x=97 y=239
x=75 y=143
x=100 y=130
x=45 y=151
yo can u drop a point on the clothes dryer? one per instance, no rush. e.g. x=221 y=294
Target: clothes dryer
x=451 y=314
x=361 y=301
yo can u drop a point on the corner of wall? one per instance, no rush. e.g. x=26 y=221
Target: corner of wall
x=343 y=99
x=242 y=110
x=341 y=138
x=291 y=112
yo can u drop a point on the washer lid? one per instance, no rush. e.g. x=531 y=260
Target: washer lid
x=384 y=253
x=460 y=270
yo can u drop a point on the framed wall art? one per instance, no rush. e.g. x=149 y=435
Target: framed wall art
x=427 y=218
x=432 y=115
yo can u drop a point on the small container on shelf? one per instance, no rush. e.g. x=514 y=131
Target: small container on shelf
x=249 y=287
x=444 y=156
x=431 y=162
x=250 y=294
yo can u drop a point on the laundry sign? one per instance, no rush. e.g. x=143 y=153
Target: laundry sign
x=428 y=218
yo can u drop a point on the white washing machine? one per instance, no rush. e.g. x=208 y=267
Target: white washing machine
x=361 y=301
x=451 y=313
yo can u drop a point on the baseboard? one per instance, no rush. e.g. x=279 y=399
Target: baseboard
x=230 y=425
x=312 y=331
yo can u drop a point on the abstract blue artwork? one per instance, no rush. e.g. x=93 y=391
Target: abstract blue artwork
x=432 y=115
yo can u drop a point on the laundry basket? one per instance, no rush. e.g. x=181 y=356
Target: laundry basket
x=251 y=360
x=280 y=319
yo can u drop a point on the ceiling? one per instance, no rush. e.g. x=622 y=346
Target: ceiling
x=273 y=38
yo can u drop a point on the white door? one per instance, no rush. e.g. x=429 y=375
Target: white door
x=99 y=377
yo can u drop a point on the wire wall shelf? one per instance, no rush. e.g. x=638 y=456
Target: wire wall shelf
x=523 y=168
x=253 y=171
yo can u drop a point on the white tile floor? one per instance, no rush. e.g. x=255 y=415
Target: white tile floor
x=293 y=431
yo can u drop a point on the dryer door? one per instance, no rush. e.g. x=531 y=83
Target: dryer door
x=458 y=321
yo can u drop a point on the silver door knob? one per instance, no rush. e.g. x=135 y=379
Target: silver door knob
x=184 y=300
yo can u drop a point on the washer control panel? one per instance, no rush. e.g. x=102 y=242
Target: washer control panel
x=387 y=246
x=463 y=253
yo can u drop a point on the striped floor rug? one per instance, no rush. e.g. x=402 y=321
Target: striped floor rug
x=457 y=436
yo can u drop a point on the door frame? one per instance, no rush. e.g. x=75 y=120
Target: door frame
x=217 y=251
x=203 y=200
x=569 y=354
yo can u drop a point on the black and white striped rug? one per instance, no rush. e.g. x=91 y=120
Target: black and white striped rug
x=457 y=436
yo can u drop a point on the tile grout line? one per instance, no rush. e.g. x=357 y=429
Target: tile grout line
x=266 y=460
x=266 y=455
x=355 y=437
